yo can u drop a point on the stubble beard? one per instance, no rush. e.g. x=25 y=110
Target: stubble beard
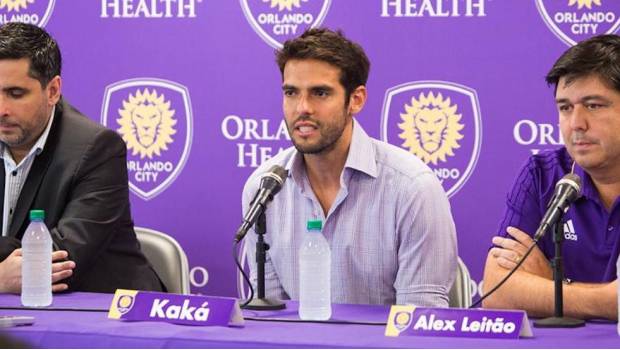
x=329 y=136
x=25 y=135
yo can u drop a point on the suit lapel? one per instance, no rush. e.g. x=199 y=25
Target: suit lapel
x=2 y=178
x=35 y=176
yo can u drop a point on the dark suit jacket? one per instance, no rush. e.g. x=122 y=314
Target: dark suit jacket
x=80 y=180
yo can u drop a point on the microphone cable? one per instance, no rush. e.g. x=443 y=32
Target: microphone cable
x=486 y=295
x=245 y=276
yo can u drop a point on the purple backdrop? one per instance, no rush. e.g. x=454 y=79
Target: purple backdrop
x=201 y=73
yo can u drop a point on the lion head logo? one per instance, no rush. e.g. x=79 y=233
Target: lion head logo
x=15 y=5
x=431 y=127
x=146 y=123
x=582 y=3
x=402 y=320
x=124 y=303
x=288 y=4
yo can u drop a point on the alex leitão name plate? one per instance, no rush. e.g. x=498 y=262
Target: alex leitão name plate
x=470 y=323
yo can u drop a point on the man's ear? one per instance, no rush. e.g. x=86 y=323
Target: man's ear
x=357 y=100
x=53 y=90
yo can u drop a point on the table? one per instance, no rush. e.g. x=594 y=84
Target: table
x=92 y=329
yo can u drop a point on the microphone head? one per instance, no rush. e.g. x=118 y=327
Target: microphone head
x=274 y=179
x=573 y=180
x=567 y=190
x=572 y=183
x=279 y=172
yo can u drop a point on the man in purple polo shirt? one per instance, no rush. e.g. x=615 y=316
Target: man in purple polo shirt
x=587 y=94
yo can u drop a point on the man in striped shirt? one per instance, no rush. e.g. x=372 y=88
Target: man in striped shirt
x=386 y=216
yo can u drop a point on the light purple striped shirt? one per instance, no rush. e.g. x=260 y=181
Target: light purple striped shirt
x=390 y=229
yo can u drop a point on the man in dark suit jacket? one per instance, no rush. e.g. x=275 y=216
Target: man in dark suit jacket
x=58 y=160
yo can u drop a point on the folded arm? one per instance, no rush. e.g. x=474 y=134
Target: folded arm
x=531 y=287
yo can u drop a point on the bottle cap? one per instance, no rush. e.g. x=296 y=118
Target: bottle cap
x=315 y=225
x=37 y=214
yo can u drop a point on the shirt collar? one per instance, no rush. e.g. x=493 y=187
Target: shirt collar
x=361 y=157
x=38 y=146
x=588 y=189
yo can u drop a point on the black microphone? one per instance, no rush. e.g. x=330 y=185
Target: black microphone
x=567 y=190
x=271 y=182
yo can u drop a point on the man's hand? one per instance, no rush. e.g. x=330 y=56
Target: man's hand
x=11 y=271
x=61 y=270
x=510 y=251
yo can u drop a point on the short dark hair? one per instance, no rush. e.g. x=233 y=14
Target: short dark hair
x=20 y=40
x=332 y=47
x=597 y=55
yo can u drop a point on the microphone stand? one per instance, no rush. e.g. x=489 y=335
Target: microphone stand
x=262 y=303
x=558 y=320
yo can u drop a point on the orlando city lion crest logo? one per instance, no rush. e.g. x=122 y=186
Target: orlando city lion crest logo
x=276 y=21
x=438 y=122
x=576 y=20
x=26 y=11
x=154 y=118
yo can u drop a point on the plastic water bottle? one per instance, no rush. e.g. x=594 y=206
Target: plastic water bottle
x=37 y=262
x=315 y=274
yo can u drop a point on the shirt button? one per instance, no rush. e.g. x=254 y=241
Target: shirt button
x=14 y=173
x=610 y=228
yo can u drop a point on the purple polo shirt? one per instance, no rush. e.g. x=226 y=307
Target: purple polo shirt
x=591 y=233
